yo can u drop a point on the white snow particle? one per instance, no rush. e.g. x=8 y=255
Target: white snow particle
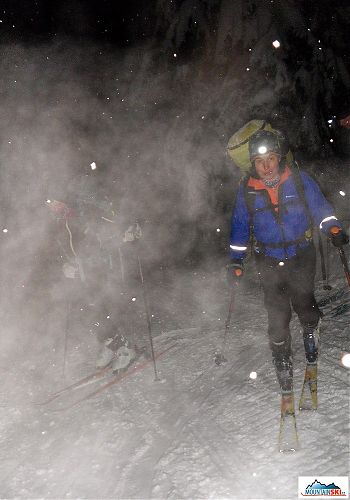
x=253 y=375
x=218 y=230
x=5 y=230
x=93 y=165
x=276 y=44
x=345 y=360
x=342 y=193
x=133 y=299
x=175 y=55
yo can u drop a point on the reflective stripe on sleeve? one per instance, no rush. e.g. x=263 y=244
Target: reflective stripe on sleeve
x=238 y=249
x=332 y=217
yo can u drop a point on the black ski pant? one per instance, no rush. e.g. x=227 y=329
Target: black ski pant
x=288 y=286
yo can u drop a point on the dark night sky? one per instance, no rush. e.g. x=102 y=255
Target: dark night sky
x=121 y=23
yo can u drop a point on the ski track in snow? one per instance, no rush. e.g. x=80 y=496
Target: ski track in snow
x=201 y=432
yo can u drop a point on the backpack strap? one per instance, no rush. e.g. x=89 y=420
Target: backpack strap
x=249 y=201
x=299 y=184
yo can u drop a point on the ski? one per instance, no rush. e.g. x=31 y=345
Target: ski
x=308 y=398
x=288 y=435
x=88 y=379
x=117 y=378
x=332 y=298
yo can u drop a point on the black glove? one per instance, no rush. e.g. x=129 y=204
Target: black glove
x=235 y=272
x=338 y=236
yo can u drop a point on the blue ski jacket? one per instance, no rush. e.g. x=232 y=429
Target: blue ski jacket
x=280 y=229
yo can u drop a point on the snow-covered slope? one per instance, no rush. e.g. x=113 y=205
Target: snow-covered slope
x=202 y=431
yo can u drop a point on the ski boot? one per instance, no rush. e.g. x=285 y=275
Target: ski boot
x=124 y=357
x=308 y=398
x=282 y=360
x=124 y=353
x=105 y=354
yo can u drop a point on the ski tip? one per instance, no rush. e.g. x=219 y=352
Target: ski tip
x=290 y=450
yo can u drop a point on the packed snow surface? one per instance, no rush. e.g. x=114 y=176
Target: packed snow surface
x=200 y=432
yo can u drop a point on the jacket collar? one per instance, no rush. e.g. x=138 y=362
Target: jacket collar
x=258 y=183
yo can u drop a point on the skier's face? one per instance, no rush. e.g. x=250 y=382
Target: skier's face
x=267 y=165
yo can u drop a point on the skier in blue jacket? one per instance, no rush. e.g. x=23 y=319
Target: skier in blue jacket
x=278 y=206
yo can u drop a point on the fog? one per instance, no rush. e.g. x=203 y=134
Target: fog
x=158 y=143
x=93 y=140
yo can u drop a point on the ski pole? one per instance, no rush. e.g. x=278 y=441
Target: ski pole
x=219 y=357
x=344 y=263
x=148 y=317
x=77 y=259
x=328 y=242
x=66 y=339
x=323 y=264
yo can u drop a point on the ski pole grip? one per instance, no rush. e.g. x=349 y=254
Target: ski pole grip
x=338 y=236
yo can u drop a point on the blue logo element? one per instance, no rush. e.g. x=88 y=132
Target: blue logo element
x=317 y=488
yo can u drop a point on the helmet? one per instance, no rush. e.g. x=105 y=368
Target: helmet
x=264 y=141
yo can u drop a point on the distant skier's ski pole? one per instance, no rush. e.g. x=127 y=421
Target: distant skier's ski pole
x=77 y=259
x=345 y=264
x=219 y=357
x=66 y=332
x=148 y=317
